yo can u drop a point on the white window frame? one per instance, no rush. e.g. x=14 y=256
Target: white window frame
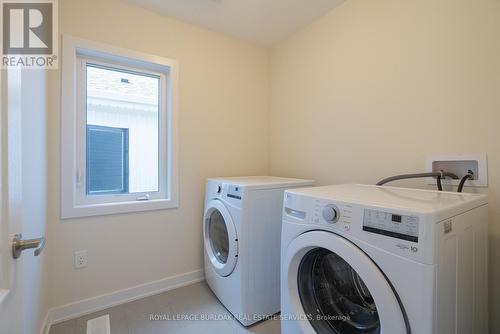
x=74 y=200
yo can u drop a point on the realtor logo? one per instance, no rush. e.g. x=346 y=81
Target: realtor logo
x=29 y=33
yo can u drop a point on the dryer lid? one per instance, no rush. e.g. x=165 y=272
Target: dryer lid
x=263 y=182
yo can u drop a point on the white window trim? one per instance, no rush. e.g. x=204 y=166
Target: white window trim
x=75 y=51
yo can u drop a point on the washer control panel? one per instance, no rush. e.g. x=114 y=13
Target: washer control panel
x=234 y=192
x=338 y=215
x=390 y=224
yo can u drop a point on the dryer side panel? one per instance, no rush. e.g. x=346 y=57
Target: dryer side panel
x=261 y=242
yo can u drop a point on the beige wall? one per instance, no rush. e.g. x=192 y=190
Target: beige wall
x=370 y=90
x=224 y=98
x=374 y=87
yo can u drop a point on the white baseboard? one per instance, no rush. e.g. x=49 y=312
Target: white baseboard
x=83 y=307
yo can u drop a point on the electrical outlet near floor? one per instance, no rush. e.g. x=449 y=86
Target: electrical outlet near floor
x=81 y=259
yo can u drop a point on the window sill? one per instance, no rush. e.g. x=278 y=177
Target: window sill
x=79 y=211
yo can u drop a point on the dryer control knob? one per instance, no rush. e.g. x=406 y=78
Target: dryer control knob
x=330 y=213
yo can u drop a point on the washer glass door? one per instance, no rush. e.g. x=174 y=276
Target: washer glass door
x=335 y=296
x=221 y=240
x=334 y=287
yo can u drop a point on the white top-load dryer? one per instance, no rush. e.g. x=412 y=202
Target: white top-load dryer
x=368 y=259
x=242 y=234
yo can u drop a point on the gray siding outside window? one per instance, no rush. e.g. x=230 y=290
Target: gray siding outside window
x=107 y=160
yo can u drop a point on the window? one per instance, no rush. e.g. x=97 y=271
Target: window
x=118 y=130
x=122 y=115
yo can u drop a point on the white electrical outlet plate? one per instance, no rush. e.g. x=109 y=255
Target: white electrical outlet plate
x=80 y=259
x=99 y=325
x=459 y=165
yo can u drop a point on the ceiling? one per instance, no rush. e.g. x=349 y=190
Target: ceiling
x=262 y=21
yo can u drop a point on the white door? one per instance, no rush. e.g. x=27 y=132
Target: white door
x=23 y=205
x=336 y=288
x=220 y=238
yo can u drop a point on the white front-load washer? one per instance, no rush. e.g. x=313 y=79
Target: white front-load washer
x=369 y=259
x=242 y=234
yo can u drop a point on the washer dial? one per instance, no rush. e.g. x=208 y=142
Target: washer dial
x=330 y=213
